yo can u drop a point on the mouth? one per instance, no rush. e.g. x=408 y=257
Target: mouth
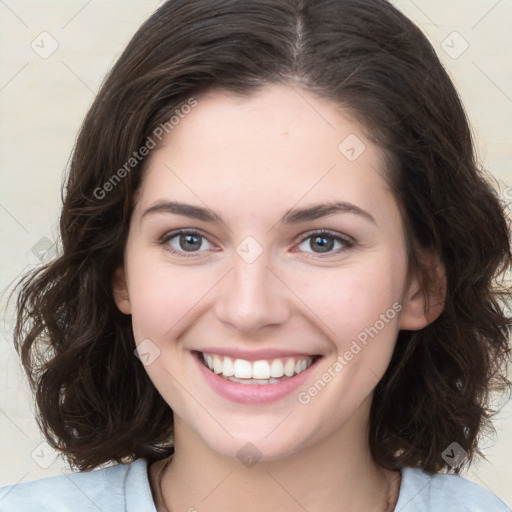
x=262 y=372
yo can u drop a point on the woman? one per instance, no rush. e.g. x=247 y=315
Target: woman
x=278 y=287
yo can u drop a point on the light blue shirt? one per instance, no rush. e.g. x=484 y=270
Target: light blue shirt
x=125 y=488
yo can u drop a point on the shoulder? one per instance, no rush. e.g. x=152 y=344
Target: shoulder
x=124 y=487
x=422 y=492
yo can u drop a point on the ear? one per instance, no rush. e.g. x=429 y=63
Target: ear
x=120 y=291
x=422 y=305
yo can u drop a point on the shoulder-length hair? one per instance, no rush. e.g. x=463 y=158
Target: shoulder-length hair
x=96 y=403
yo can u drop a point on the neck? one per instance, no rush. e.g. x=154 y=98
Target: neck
x=336 y=474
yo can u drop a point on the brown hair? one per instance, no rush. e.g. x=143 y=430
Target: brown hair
x=96 y=402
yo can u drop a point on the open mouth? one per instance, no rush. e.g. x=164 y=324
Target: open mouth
x=261 y=372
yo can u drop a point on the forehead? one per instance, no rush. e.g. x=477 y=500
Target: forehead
x=280 y=145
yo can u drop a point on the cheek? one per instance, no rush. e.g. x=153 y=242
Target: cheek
x=351 y=298
x=359 y=308
x=164 y=295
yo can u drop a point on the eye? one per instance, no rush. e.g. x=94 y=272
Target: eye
x=182 y=242
x=322 y=242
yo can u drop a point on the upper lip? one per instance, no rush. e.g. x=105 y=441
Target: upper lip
x=254 y=355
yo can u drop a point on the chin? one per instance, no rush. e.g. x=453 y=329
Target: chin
x=263 y=442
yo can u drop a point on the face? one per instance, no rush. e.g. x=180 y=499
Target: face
x=233 y=257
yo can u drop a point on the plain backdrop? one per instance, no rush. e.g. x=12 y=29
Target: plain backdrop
x=55 y=55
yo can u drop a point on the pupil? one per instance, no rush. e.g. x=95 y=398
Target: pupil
x=325 y=244
x=192 y=241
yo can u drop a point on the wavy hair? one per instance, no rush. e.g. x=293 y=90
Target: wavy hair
x=96 y=403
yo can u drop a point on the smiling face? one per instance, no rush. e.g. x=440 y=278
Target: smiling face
x=253 y=277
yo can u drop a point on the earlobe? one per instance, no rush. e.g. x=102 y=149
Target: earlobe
x=120 y=291
x=421 y=307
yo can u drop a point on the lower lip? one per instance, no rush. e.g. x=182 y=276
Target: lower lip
x=253 y=393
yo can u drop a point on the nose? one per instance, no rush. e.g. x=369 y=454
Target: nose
x=252 y=297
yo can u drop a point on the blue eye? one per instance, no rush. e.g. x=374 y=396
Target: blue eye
x=182 y=242
x=322 y=242
x=188 y=243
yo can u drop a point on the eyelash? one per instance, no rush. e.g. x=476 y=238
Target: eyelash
x=344 y=240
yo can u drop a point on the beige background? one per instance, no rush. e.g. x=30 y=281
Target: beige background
x=44 y=97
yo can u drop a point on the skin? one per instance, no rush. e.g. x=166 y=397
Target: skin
x=251 y=160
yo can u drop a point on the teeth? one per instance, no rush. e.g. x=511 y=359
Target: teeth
x=242 y=369
x=254 y=381
x=261 y=372
x=276 y=368
x=289 y=367
x=217 y=364
x=228 y=368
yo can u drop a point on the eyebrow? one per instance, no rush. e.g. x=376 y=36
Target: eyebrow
x=293 y=216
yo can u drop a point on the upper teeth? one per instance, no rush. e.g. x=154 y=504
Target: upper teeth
x=263 y=369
